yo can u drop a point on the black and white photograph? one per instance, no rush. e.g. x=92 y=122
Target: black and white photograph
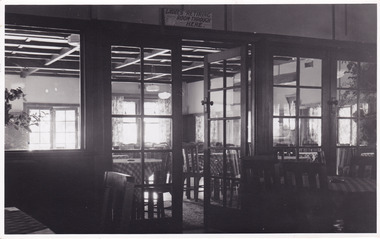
x=189 y=119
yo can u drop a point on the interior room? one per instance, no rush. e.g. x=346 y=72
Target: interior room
x=141 y=119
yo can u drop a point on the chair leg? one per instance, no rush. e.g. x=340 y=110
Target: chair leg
x=196 y=188
x=188 y=185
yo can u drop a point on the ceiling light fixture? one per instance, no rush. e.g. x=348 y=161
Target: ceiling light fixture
x=164 y=95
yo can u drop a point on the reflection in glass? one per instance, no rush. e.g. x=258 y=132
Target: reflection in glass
x=233 y=102
x=347 y=74
x=158 y=131
x=367 y=104
x=284 y=70
x=367 y=131
x=284 y=131
x=158 y=100
x=284 y=101
x=216 y=75
x=125 y=133
x=216 y=132
x=233 y=129
x=233 y=72
x=310 y=104
x=125 y=98
x=310 y=132
x=347 y=103
x=126 y=63
x=216 y=110
x=310 y=72
x=159 y=61
x=199 y=128
x=347 y=132
x=367 y=76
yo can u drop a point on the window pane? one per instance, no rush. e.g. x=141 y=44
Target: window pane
x=284 y=70
x=310 y=104
x=216 y=110
x=125 y=135
x=347 y=74
x=284 y=132
x=310 y=132
x=125 y=98
x=347 y=103
x=216 y=75
x=233 y=72
x=52 y=89
x=125 y=63
x=233 y=102
x=157 y=64
x=347 y=132
x=158 y=132
x=367 y=76
x=284 y=101
x=233 y=128
x=70 y=127
x=367 y=131
x=367 y=104
x=216 y=132
x=60 y=126
x=158 y=99
x=310 y=72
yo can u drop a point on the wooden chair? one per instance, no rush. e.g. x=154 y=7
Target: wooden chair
x=160 y=185
x=192 y=170
x=117 y=203
x=233 y=173
x=363 y=165
x=307 y=187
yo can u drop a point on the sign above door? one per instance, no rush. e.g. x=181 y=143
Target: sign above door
x=187 y=18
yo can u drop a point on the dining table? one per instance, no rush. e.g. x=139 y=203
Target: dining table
x=18 y=222
x=355 y=202
x=133 y=167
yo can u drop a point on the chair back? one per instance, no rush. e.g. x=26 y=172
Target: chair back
x=190 y=158
x=233 y=161
x=363 y=165
x=117 y=202
x=304 y=176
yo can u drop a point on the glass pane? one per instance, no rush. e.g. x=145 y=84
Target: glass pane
x=216 y=133
x=126 y=97
x=70 y=115
x=125 y=133
x=216 y=110
x=158 y=131
x=216 y=74
x=347 y=103
x=284 y=132
x=233 y=71
x=284 y=101
x=367 y=104
x=55 y=86
x=367 y=76
x=310 y=132
x=158 y=100
x=233 y=102
x=310 y=72
x=70 y=127
x=347 y=74
x=199 y=128
x=129 y=163
x=60 y=126
x=347 y=132
x=284 y=70
x=157 y=64
x=367 y=131
x=310 y=104
x=125 y=63
x=233 y=129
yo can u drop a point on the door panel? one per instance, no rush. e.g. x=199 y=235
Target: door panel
x=226 y=78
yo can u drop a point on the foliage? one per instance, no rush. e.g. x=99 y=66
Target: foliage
x=20 y=120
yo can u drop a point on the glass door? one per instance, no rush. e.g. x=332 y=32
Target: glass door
x=225 y=107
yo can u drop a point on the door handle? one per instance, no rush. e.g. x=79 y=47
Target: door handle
x=207 y=102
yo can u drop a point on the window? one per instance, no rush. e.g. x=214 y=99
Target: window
x=58 y=128
x=45 y=64
x=297 y=106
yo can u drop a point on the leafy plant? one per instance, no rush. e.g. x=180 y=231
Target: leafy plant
x=20 y=120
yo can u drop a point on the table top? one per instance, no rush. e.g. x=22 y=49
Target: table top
x=18 y=222
x=351 y=184
x=136 y=160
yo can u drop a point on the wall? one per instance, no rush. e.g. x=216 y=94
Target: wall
x=353 y=22
x=39 y=89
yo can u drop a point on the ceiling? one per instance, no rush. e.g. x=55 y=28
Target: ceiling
x=43 y=52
